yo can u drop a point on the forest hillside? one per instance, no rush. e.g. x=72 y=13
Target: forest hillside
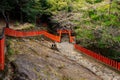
x=96 y=23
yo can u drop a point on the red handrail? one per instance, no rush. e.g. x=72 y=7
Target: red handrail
x=99 y=57
x=11 y=32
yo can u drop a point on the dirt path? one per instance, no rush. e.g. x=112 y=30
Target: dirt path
x=103 y=71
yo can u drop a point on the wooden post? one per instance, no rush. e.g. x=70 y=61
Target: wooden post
x=2 y=54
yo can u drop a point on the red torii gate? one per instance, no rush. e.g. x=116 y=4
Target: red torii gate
x=69 y=32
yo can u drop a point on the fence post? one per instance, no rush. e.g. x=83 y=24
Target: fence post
x=2 y=54
x=118 y=65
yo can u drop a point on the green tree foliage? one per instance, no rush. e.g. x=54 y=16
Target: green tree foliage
x=30 y=8
x=27 y=9
x=56 y=5
x=102 y=23
x=93 y=1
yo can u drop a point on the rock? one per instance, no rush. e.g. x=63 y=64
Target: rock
x=106 y=77
x=116 y=78
x=99 y=73
x=94 y=69
x=40 y=62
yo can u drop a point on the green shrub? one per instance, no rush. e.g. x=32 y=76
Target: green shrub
x=10 y=51
x=93 y=1
x=16 y=23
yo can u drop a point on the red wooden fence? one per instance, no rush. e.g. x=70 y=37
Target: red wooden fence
x=2 y=54
x=14 y=33
x=11 y=32
x=99 y=57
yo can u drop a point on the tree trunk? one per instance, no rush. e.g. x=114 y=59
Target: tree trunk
x=21 y=16
x=110 y=3
x=6 y=19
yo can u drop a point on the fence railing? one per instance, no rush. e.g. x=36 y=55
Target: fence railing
x=11 y=32
x=14 y=33
x=2 y=46
x=99 y=57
